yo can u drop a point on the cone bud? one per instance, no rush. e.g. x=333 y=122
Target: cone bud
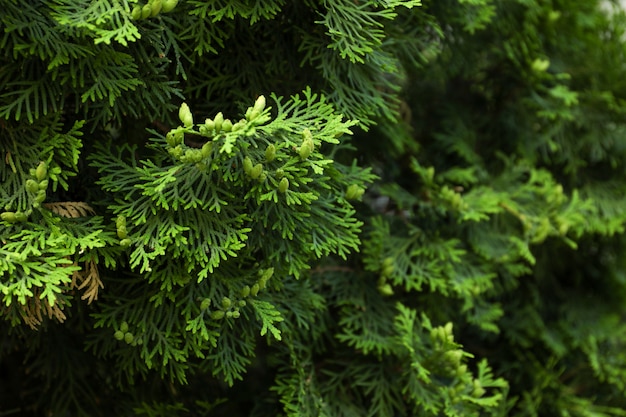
x=184 y=114
x=283 y=185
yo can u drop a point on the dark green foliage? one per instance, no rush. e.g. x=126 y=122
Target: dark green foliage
x=188 y=227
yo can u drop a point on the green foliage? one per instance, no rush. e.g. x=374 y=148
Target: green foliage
x=312 y=208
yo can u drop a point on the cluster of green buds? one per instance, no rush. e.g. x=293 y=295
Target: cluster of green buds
x=452 y=359
x=253 y=113
x=120 y=224
x=213 y=129
x=190 y=155
x=256 y=171
x=229 y=308
x=307 y=146
x=386 y=272
x=175 y=139
x=453 y=198
x=465 y=384
x=449 y=352
x=36 y=187
x=124 y=334
x=354 y=192
x=442 y=335
x=477 y=389
x=219 y=124
x=14 y=216
x=153 y=8
x=193 y=155
x=264 y=276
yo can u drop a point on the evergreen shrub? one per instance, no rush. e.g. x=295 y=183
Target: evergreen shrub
x=312 y=208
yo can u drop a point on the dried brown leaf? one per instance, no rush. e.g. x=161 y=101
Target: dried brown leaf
x=71 y=209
